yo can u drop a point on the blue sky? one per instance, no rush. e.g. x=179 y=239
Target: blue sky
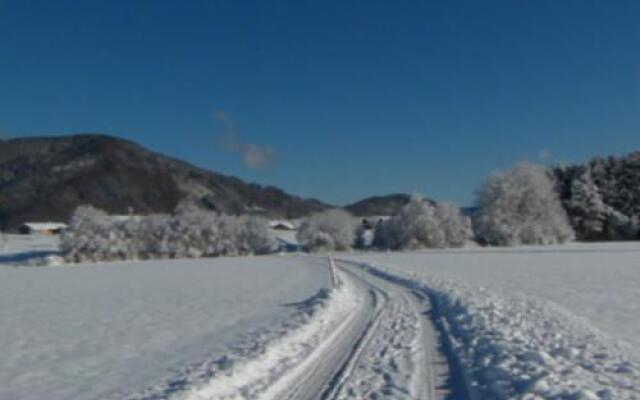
x=349 y=99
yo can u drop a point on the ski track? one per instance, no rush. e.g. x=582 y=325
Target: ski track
x=399 y=358
x=374 y=339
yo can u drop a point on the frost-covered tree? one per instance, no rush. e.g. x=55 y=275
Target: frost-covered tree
x=521 y=206
x=189 y=233
x=420 y=224
x=154 y=237
x=587 y=211
x=88 y=237
x=415 y=226
x=328 y=230
x=192 y=233
x=455 y=226
x=255 y=236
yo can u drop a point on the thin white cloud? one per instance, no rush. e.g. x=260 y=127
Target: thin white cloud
x=545 y=155
x=254 y=156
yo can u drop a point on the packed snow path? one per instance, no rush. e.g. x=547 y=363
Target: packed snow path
x=400 y=357
x=387 y=349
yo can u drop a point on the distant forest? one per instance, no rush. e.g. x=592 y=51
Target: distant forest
x=602 y=197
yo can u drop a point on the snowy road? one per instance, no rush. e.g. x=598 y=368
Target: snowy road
x=387 y=348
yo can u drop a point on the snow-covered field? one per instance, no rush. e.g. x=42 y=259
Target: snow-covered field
x=26 y=249
x=105 y=331
x=553 y=323
x=557 y=322
x=598 y=281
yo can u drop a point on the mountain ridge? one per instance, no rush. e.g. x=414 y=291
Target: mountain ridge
x=46 y=178
x=388 y=204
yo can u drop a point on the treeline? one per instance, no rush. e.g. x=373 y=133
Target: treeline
x=602 y=197
x=528 y=204
x=518 y=206
x=188 y=233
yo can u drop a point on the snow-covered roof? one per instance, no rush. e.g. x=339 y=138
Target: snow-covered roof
x=376 y=217
x=122 y=217
x=283 y=223
x=45 y=226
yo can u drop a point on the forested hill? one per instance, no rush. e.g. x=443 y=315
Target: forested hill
x=379 y=205
x=46 y=178
x=602 y=197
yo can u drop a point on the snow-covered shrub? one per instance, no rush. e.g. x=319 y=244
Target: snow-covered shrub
x=198 y=233
x=328 y=230
x=521 y=206
x=255 y=236
x=415 y=226
x=189 y=233
x=420 y=224
x=87 y=237
x=455 y=226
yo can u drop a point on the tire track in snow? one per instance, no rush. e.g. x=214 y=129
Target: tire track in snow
x=402 y=360
x=393 y=351
x=384 y=345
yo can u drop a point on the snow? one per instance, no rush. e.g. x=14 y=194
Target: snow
x=45 y=226
x=529 y=323
x=599 y=281
x=287 y=240
x=26 y=249
x=268 y=373
x=14 y=243
x=281 y=224
x=398 y=356
x=111 y=330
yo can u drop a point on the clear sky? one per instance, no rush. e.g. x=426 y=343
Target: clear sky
x=331 y=99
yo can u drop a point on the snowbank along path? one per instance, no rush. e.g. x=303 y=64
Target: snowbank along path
x=399 y=353
x=517 y=347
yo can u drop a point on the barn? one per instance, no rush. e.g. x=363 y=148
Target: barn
x=42 y=228
x=281 y=225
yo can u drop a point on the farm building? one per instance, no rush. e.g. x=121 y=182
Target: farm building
x=47 y=228
x=281 y=225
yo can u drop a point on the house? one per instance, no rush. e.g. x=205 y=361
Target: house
x=46 y=228
x=281 y=225
x=370 y=223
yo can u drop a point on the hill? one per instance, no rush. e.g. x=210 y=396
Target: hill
x=378 y=205
x=46 y=178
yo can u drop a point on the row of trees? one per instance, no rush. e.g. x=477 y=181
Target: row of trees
x=419 y=224
x=519 y=206
x=528 y=204
x=189 y=233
